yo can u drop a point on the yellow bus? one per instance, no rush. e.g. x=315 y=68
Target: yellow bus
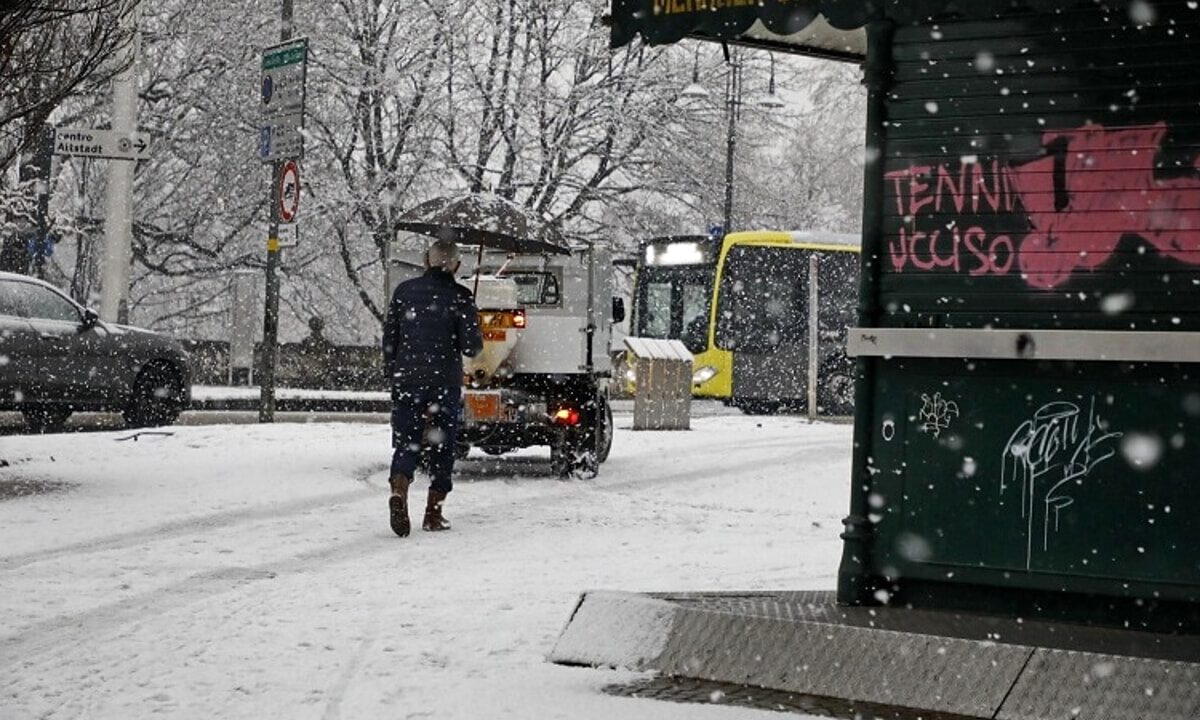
x=740 y=303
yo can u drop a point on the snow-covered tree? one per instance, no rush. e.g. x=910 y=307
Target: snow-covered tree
x=518 y=97
x=50 y=50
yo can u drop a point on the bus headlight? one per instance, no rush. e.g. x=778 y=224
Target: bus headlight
x=703 y=374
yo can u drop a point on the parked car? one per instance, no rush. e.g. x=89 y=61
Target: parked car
x=57 y=357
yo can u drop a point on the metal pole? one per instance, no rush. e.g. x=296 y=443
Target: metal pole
x=118 y=215
x=266 y=372
x=813 y=337
x=733 y=90
x=43 y=158
x=854 y=586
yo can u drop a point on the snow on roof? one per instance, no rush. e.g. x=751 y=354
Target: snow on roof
x=655 y=349
x=829 y=238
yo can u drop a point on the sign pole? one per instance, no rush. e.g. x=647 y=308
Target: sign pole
x=43 y=156
x=266 y=372
x=814 y=340
x=118 y=215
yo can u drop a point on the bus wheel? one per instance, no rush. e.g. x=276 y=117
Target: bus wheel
x=837 y=394
x=757 y=407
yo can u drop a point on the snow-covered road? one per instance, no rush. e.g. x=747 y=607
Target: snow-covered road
x=249 y=572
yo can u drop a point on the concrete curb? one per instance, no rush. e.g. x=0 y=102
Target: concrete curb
x=803 y=643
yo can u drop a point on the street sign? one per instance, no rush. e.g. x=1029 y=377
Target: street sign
x=110 y=144
x=289 y=235
x=281 y=89
x=289 y=191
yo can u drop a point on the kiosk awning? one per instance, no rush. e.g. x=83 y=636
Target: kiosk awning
x=789 y=25
x=824 y=28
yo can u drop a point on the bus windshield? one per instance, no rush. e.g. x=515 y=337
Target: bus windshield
x=674 y=303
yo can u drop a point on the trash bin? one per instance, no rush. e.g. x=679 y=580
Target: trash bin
x=662 y=399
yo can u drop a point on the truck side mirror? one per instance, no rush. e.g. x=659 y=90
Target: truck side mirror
x=618 y=309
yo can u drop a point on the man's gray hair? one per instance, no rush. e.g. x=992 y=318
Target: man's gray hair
x=442 y=254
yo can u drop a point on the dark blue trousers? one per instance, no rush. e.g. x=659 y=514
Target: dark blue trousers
x=425 y=419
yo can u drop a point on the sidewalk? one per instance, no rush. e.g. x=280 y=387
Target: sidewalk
x=246 y=398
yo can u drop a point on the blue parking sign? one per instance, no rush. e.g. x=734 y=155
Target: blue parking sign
x=264 y=142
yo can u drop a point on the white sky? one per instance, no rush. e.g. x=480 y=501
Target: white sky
x=249 y=572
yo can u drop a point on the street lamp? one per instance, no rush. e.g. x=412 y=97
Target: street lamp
x=771 y=101
x=695 y=92
x=733 y=101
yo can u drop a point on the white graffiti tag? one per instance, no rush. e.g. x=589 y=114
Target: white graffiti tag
x=1054 y=449
x=935 y=413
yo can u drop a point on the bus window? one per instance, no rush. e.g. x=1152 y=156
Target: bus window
x=837 y=283
x=695 y=317
x=763 y=301
x=656 y=314
x=674 y=304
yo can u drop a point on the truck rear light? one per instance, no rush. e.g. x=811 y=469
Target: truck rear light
x=566 y=416
x=499 y=320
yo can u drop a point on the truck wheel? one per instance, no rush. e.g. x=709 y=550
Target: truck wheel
x=560 y=457
x=45 y=419
x=604 y=433
x=570 y=459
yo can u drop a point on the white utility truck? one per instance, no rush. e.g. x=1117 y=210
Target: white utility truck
x=542 y=378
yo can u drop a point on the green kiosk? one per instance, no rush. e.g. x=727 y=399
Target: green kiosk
x=1023 y=539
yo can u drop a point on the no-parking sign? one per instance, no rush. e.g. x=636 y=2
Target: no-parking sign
x=289 y=191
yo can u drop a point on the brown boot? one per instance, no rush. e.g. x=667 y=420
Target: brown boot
x=433 y=513
x=398 y=505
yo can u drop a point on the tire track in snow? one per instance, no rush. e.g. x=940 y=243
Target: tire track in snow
x=333 y=707
x=50 y=672
x=739 y=465
x=492 y=469
x=72 y=630
x=75 y=629
x=190 y=526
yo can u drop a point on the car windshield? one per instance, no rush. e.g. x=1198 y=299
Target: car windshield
x=44 y=304
x=10 y=300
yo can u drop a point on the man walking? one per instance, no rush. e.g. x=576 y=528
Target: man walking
x=431 y=323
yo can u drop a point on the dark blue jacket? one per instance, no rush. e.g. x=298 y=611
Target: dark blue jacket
x=431 y=323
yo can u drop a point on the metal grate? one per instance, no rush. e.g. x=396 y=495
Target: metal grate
x=821 y=607
x=705 y=692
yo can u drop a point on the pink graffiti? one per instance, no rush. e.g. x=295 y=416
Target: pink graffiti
x=1110 y=191
x=924 y=186
x=976 y=188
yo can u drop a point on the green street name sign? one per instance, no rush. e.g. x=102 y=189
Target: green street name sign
x=284 y=56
